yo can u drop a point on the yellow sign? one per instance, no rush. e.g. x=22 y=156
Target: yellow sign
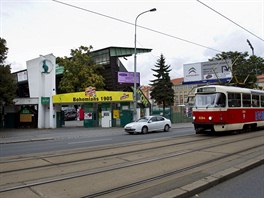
x=116 y=114
x=90 y=91
x=101 y=96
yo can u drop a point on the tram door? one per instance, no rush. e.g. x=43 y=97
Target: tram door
x=106 y=119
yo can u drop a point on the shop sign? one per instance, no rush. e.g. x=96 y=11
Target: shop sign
x=25 y=111
x=90 y=92
x=59 y=70
x=45 y=100
x=143 y=98
x=116 y=114
x=25 y=118
x=99 y=96
x=88 y=116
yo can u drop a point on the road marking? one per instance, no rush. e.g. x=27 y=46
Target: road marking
x=82 y=142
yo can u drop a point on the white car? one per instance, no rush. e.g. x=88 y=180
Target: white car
x=147 y=124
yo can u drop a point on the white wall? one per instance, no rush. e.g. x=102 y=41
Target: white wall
x=43 y=84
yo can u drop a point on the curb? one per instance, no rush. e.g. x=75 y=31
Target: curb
x=210 y=181
x=29 y=140
x=52 y=138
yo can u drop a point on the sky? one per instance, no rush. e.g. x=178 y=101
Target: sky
x=184 y=31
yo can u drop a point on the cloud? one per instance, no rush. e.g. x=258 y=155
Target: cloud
x=237 y=41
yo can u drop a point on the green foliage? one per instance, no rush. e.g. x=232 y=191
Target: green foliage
x=162 y=91
x=7 y=81
x=245 y=68
x=3 y=50
x=80 y=71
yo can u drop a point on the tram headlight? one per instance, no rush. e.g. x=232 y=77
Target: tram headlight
x=193 y=117
x=210 y=118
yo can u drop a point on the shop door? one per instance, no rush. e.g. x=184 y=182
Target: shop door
x=106 y=119
x=126 y=117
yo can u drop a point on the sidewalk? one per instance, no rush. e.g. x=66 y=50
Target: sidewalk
x=72 y=129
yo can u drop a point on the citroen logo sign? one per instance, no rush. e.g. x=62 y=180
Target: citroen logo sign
x=192 y=70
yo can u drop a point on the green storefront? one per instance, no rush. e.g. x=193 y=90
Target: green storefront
x=101 y=108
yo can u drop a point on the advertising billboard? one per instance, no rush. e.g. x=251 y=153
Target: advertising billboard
x=128 y=77
x=210 y=71
x=192 y=72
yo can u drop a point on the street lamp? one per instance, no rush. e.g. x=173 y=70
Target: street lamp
x=135 y=64
x=251 y=47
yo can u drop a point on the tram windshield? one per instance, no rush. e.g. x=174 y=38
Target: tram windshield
x=210 y=100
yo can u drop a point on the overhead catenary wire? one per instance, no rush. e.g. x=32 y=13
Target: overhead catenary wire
x=143 y=27
x=231 y=20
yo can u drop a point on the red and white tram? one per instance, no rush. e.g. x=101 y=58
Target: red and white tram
x=225 y=108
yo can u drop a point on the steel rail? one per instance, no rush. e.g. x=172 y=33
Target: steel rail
x=119 y=166
x=169 y=174
x=99 y=157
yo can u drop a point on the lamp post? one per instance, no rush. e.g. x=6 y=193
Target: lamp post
x=135 y=64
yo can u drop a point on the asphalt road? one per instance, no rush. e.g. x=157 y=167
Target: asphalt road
x=74 y=138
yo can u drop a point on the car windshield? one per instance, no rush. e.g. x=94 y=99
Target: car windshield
x=143 y=119
x=210 y=100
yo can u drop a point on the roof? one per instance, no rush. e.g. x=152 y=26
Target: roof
x=260 y=78
x=123 y=51
x=177 y=81
x=232 y=89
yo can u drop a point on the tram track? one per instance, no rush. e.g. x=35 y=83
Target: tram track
x=169 y=174
x=87 y=151
x=125 y=165
x=110 y=154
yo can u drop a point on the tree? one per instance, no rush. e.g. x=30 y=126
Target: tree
x=7 y=80
x=244 y=67
x=80 y=71
x=162 y=91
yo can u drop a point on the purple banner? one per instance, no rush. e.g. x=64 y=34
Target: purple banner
x=128 y=77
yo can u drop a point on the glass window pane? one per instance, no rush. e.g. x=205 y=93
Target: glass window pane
x=234 y=99
x=221 y=100
x=262 y=101
x=246 y=100
x=255 y=101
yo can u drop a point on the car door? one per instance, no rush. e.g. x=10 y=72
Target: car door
x=160 y=123
x=152 y=125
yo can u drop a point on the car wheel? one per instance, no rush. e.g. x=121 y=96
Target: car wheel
x=144 y=130
x=166 y=128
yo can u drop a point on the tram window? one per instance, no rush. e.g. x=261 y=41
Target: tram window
x=246 y=100
x=234 y=99
x=221 y=100
x=262 y=101
x=255 y=100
